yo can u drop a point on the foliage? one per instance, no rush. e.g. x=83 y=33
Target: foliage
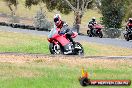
x=29 y=3
x=129 y=13
x=112 y=33
x=12 y=2
x=113 y=12
x=65 y=6
x=128 y=9
x=60 y=5
x=41 y=21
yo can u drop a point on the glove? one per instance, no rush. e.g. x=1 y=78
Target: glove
x=61 y=33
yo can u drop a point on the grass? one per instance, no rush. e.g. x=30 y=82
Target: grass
x=95 y=49
x=59 y=71
x=58 y=75
x=16 y=42
x=47 y=76
x=24 y=43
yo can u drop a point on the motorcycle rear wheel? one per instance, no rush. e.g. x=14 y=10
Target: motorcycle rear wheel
x=78 y=49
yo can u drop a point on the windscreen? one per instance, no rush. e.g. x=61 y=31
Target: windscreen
x=52 y=32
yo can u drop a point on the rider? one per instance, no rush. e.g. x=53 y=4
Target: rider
x=91 y=24
x=129 y=24
x=63 y=27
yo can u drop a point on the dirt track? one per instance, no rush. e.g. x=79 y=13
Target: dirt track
x=18 y=58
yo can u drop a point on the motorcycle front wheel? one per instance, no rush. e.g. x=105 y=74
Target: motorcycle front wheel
x=100 y=34
x=126 y=37
x=55 y=49
x=88 y=33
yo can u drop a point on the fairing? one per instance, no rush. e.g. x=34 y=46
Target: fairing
x=53 y=35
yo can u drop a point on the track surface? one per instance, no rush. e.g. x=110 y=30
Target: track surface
x=24 y=57
x=106 y=41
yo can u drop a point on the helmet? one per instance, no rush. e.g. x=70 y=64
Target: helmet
x=130 y=19
x=93 y=18
x=57 y=19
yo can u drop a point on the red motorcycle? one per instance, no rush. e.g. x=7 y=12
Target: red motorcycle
x=96 y=30
x=128 y=34
x=59 y=44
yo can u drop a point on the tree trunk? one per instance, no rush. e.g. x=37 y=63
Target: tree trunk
x=77 y=22
x=13 y=9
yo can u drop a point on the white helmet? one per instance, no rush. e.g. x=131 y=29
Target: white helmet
x=93 y=18
x=57 y=16
x=57 y=19
x=130 y=19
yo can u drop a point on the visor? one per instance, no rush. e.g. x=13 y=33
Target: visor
x=56 y=19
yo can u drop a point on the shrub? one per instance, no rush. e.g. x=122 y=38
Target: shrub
x=113 y=13
x=41 y=22
x=112 y=32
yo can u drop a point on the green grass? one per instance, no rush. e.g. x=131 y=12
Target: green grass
x=42 y=75
x=52 y=72
x=94 y=49
x=24 y=43
x=46 y=78
x=16 y=42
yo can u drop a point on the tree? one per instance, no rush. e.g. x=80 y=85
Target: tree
x=10 y=4
x=128 y=11
x=79 y=7
x=98 y=3
x=113 y=12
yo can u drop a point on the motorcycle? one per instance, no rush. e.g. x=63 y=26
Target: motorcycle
x=128 y=35
x=96 y=32
x=59 y=44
